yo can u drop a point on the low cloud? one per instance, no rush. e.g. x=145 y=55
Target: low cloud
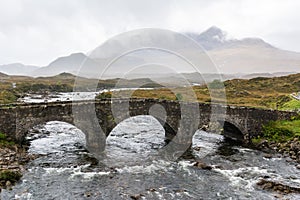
x=36 y=32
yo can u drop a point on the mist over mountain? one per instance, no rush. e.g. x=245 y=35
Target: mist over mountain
x=215 y=38
x=231 y=56
x=210 y=39
x=249 y=55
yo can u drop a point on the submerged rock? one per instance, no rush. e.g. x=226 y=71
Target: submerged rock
x=136 y=196
x=152 y=190
x=197 y=148
x=202 y=165
x=268 y=156
x=277 y=187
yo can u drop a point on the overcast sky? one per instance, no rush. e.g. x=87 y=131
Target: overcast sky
x=38 y=31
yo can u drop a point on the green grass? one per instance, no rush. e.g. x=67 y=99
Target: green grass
x=280 y=131
x=257 y=140
x=4 y=141
x=104 y=95
x=11 y=176
x=7 y=96
x=267 y=93
x=293 y=104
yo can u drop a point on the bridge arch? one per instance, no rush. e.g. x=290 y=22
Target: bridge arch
x=166 y=113
x=169 y=131
x=58 y=127
x=139 y=129
x=26 y=120
x=231 y=131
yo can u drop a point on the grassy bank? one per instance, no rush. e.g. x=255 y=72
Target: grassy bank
x=8 y=177
x=291 y=104
x=4 y=142
x=281 y=136
x=280 y=131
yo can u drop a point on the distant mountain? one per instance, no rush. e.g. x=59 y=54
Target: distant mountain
x=215 y=38
x=255 y=58
x=3 y=75
x=249 y=55
x=265 y=75
x=252 y=56
x=70 y=64
x=17 y=69
x=79 y=62
x=210 y=39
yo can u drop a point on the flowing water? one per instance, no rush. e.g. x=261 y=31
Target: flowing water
x=68 y=96
x=65 y=170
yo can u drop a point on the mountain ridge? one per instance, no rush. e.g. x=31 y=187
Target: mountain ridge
x=248 y=55
x=214 y=38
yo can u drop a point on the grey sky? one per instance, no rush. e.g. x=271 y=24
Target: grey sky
x=38 y=31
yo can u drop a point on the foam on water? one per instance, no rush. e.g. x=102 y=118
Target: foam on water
x=69 y=96
x=244 y=177
x=61 y=138
x=207 y=142
x=65 y=170
x=146 y=169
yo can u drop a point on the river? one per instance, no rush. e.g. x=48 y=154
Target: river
x=65 y=170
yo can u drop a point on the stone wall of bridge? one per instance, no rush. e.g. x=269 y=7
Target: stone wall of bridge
x=97 y=119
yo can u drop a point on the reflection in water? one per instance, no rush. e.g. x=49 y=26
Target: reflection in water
x=65 y=170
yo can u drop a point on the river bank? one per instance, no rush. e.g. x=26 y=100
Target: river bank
x=13 y=158
x=288 y=149
x=281 y=137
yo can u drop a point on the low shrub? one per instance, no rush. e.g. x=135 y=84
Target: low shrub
x=104 y=95
x=4 y=141
x=12 y=176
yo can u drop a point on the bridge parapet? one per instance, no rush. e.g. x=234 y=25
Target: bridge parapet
x=92 y=117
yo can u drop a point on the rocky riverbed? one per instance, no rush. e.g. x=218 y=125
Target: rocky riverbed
x=289 y=149
x=279 y=188
x=12 y=164
x=237 y=167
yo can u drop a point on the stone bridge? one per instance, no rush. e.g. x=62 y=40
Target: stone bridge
x=97 y=118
